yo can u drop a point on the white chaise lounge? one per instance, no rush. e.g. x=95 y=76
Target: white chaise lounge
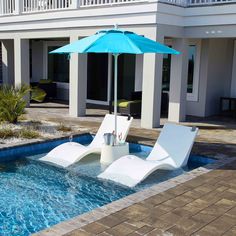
x=69 y=153
x=171 y=151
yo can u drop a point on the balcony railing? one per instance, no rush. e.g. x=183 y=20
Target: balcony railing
x=84 y=3
x=42 y=5
x=14 y=7
x=7 y=7
x=208 y=2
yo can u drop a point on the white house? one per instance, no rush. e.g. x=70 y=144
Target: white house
x=203 y=30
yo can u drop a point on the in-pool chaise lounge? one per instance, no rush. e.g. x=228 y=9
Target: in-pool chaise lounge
x=171 y=151
x=69 y=153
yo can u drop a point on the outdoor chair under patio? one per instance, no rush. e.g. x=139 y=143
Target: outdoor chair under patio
x=171 y=151
x=130 y=106
x=69 y=153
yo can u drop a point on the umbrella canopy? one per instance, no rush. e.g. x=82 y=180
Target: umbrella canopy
x=115 y=41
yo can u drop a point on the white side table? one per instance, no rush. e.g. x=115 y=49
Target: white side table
x=111 y=153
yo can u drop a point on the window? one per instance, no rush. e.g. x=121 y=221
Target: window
x=97 y=82
x=191 y=62
x=126 y=75
x=166 y=72
x=58 y=66
x=193 y=70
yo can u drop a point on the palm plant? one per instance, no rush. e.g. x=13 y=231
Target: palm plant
x=12 y=102
x=38 y=94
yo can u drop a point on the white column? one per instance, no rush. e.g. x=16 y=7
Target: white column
x=78 y=83
x=8 y=61
x=178 y=81
x=233 y=80
x=152 y=85
x=21 y=61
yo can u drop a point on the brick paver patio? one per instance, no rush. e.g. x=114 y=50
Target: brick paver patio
x=205 y=205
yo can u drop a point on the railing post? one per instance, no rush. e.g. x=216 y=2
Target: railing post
x=75 y=4
x=18 y=7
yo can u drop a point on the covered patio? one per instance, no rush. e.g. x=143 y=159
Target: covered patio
x=216 y=130
x=57 y=109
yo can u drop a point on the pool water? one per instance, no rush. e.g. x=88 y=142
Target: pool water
x=34 y=195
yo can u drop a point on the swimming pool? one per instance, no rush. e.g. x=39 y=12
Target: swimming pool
x=34 y=196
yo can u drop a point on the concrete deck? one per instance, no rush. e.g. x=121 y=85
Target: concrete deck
x=200 y=203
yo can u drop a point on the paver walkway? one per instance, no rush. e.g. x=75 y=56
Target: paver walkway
x=213 y=132
x=205 y=205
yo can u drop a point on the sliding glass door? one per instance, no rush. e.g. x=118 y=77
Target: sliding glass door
x=126 y=76
x=97 y=83
x=58 y=66
x=100 y=77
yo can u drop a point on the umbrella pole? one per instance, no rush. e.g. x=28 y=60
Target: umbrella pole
x=115 y=91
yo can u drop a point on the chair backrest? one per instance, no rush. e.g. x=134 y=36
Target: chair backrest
x=108 y=126
x=175 y=141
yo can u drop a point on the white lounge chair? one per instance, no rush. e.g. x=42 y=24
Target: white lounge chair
x=171 y=151
x=69 y=153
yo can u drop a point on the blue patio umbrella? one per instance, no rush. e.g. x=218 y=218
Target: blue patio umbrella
x=115 y=42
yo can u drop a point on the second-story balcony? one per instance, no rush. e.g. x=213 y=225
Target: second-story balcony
x=15 y=7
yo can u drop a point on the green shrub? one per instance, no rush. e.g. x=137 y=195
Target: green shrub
x=25 y=133
x=64 y=128
x=38 y=94
x=12 y=102
x=6 y=133
x=28 y=133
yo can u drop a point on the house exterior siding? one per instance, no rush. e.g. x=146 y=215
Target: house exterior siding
x=209 y=27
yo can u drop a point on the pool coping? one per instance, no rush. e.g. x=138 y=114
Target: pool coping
x=43 y=140
x=79 y=221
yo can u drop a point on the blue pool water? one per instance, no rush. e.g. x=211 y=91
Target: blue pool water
x=34 y=196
